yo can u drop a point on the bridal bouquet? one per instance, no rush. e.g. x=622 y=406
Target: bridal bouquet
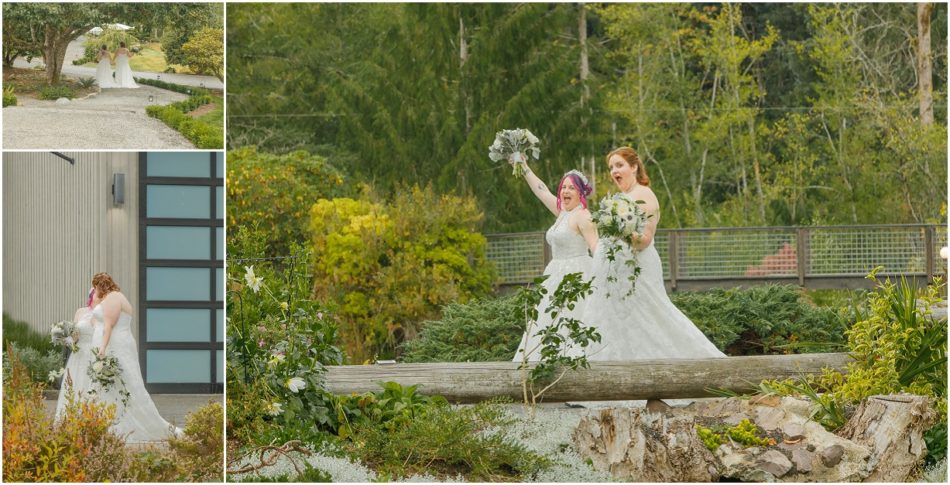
x=106 y=372
x=617 y=218
x=514 y=146
x=62 y=334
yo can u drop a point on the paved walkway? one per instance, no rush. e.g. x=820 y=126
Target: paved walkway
x=75 y=51
x=173 y=407
x=112 y=119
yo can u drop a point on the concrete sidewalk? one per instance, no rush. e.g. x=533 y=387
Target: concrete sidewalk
x=75 y=51
x=173 y=407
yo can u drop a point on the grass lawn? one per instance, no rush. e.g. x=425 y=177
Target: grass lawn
x=28 y=82
x=213 y=113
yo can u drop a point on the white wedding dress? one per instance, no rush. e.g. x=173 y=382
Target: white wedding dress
x=104 y=73
x=568 y=255
x=139 y=420
x=644 y=325
x=123 y=73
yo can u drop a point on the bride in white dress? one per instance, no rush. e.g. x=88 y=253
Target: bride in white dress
x=644 y=325
x=107 y=325
x=570 y=237
x=123 y=73
x=104 y=69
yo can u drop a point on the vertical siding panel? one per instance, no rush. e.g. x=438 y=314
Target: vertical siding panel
x=60 y=227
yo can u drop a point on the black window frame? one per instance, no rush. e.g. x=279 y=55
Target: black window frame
x=213 y=345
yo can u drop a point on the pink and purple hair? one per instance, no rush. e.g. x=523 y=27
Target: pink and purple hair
x=583 y=188
x=92 y=291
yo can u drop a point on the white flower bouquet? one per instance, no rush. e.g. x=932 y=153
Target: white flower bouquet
x=106 y=372
x=514 y=146
x=618 y=217
x=62 y=334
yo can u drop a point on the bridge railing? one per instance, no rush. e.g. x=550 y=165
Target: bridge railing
x=811 y=256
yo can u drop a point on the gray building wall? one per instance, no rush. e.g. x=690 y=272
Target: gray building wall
x=60 y=226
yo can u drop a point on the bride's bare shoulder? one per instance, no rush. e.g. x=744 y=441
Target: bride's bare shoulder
x=80 y=312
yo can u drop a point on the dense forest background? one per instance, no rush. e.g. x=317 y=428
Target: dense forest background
x=745 y=114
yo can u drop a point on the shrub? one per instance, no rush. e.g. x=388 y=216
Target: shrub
x=178 y=88
x=483 y=330
x=763 y=320
x=198 y=132
x=275 y=334
x=204 y=52
x=38 y=365
x=56 y=92
x=275 y=193
x=444 y=442
x=9 y=99
x=24 y=336
x=390 y=267
x=87 y=82
x=200 y=452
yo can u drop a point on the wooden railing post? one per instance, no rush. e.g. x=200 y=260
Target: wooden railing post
x=674 y=258
x=801 y=253
x=929 y=252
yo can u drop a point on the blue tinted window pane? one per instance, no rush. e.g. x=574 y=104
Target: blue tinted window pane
x=219 y=205
x=178 y=164
x=178 y=201
x=220 y=325
x=219 y=235
x=220 y=284
x=178 y=325
x=220 y=377
x=219 y=164
x=180 y=284
x=170 y=242
x=178 y=366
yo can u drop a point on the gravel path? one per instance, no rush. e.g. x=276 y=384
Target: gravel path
x=112 y=119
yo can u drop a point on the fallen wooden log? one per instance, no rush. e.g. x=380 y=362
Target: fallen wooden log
x=604 y=381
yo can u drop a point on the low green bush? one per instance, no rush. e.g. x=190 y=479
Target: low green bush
x=178 y=88
x=9 y=99
x=443 y=441
x=198 y=132
x=762 y=320
x=56 y=92
x=22 y=335
x=39 y=365
x=485 y=330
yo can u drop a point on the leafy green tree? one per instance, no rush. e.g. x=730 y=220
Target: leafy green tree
x=204 y=52
x=181 y=21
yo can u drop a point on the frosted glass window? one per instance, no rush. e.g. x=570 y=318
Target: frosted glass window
x=219 y=165
x=219 y=208
x=171 y=242
x=178 y=366
x=220 y=283
x=178 y=284
x=220 y=357
x=178 y=201
x=178 y=164
x=178 y=325
x=220 y=326
x=219 y=235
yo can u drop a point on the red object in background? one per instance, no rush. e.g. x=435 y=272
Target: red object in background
x=783 y=262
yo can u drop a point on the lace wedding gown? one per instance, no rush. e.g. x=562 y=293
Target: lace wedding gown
x=568 y=255
x=104 y=74
x=123 y=73
x=644 y=325
x=139 y=420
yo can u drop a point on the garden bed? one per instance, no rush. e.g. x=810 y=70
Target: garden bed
x=31 y=83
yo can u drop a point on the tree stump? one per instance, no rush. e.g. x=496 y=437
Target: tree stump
x=892 y=427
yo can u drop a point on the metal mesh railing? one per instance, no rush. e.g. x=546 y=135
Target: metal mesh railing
x=758 y=253
x=519 y=258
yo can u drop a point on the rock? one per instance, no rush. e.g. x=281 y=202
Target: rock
x=802 y=460
x=735 y=419
x=775 y=462
x=657 y=406
x=831 y=455
x=62 y=101
x=769 y=400
x=793 y=431
x=768 y=418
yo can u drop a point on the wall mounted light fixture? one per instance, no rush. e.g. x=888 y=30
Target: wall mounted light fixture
x=71 y=160
x=118 y=188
